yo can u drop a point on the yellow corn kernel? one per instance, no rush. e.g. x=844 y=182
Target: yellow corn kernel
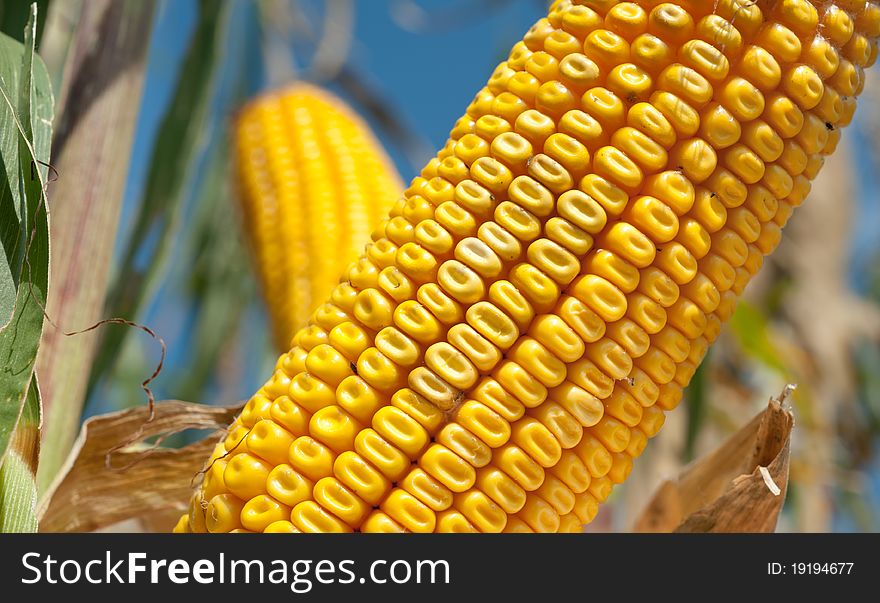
x=358 y=398
x=448 y=468
x=465 y=444
x=538 y=361
x=310 y=392
x=684 y=118
x=560 y=423
x=287 y=414
x=281 y=527
x=519 y=382
x=615 y=165
x=613 y=434
x=427 y=489
x=245 y=475
x=572 y=471
x=288 y=486
x=650 y=53
x=620 y=467
x=612 y=198
x=310 y=457
x=397 y=347
x=591 y=378
x=223 y=513
x=182 y=526
x=586 y=507
x=568 y=235
x=481 y=511
x=585 y=407
x=554 y=260
x=487 y=425
x=509 y=299
x=630 y=336
x=554 y=492
x=654 y=218
x=480 y=351
x=601 y=296
x=570 y=524
x=451 y=365
x=214 y=483
x=623 y=407
x=334 y=427
x=479 y=256
x=498 y=399
x=641 y=387
x=658 y=286
x=345 y=504
x=519 y=466
x=380 y=522
x=561 y=340
x=452 y=522
x=407 y=510
x=719 y=127
x=261 y=511
x=648 y=154
x=539 y=289
x=429 y=396
x=501 y=488
x=539 y=514
x=309 y=517
x=257 y=408
x=611 y=358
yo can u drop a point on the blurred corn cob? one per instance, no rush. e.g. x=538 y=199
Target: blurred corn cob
x=534 y=305
x=313 y=183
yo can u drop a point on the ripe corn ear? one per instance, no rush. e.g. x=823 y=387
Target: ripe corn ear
x=313 y=183
x=527 y=314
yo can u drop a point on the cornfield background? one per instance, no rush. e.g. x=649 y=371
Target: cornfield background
x=140 y=192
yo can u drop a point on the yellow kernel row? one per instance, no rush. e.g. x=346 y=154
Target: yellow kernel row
x=311 y=175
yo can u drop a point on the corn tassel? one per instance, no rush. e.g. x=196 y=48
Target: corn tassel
x=314 y=182
x=523 y=320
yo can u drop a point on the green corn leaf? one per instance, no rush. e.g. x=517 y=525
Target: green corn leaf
x=173 y=167
x=26 y=107
x=752 y=330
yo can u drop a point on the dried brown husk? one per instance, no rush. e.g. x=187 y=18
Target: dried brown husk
x=738 y=487
x=113 y=480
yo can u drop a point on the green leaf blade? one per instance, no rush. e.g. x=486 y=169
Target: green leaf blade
x=176 y=156
x=26 y=108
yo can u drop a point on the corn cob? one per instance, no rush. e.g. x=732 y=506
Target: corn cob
x=314 y=182
x=528 y=313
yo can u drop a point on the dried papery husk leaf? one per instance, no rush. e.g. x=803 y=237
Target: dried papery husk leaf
x=738 y=487
x=112 y=475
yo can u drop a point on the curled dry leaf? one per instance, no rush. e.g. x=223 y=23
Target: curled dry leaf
x=739 y=487
x=113 y=476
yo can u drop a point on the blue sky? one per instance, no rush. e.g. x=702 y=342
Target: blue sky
x=428 y=78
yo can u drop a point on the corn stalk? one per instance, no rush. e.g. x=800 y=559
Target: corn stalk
x=100 y=98
x=26 y=107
